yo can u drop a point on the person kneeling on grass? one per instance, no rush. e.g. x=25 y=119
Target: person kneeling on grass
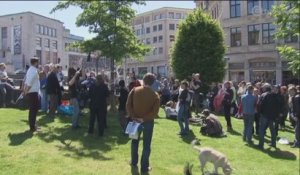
x=212 y=126
x=183 y=109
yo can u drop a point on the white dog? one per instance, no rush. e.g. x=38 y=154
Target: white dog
x=217 y=158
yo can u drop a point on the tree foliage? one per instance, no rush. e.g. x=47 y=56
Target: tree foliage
x=287 y=21
x=111 y=22
x=199 y=48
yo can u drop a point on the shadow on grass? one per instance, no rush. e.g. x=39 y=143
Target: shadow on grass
x=276 y=153
x=77 y=143
x=234 y=132
x=18 y=138
x=189 y=138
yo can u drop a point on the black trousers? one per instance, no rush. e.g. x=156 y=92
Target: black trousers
x=227 y=115
x=256 y=121
x=98 y=114
x=34 y=105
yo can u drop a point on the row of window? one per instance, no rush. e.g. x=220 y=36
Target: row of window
x=268 y=31
x=44 y=30
x=47 y=57
x=46 y=43
x=169 y=15
x=156 y=39
x=252 y=7
x=155 y=28
x=158 y=51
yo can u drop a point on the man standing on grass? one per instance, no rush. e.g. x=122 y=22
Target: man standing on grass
x=32 y=88
x=142 y=106
x=248 y=103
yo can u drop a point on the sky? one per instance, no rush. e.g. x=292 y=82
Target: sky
x=68 y=16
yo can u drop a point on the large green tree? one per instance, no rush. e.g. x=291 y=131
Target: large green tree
x=287 y=21
x=199 y=48
x=111 y=21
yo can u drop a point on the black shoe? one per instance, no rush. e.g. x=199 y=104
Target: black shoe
x=147 y=170
x=272 y=145
x=132 y=165
x=295 y=146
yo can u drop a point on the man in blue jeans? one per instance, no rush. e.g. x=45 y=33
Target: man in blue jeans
x=142 y=106
x=248 y=103
x=269 y=108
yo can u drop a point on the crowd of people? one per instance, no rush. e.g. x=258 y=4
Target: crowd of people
x=258 y=104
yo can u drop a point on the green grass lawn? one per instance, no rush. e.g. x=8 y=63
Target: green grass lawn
x=60 y=150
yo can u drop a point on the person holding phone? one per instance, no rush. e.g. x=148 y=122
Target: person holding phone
x=73 y=89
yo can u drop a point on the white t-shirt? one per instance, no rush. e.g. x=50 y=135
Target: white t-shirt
x=32 y=79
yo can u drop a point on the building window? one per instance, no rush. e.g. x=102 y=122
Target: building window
x=3 y=32
x=252 y=5
x=160 y=39
x=3 y=54
x=155 y=39
x=39 y=55
x=37 y=28
x=160 y=27
x=178 y=16
x=267 y=5
x=235 y=8
x=172 y=38
x=54 y=44
x=148 y=40
x=268 y=30
x=138 y=32
x=148 y=30
x=42 y=30
x=291 y=38
x=235 y=36
x=160 y=50
x=156 y=17
x=45 y=30
x=162 y=16
x=171 y=15
x=154 y=28
x=47 y=57
x=47 y=43
x=38 y=41
x=54 y=32
x=171 y=26
x=253 y=34
x=155 y=51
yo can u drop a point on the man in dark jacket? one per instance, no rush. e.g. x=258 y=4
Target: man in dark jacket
x=227 y=104
x=53 y=90
x=269 y=108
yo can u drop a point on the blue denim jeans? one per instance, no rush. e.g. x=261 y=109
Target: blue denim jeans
x=44 y=100
x=248 y=126
x=264 y=123
x=75 y=116
x=182 y=117
x=147 y=138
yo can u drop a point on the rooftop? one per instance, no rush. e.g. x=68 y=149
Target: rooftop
x=28 y=12
x=163 y=8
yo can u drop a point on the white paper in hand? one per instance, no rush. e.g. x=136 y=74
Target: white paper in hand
x=132 y=130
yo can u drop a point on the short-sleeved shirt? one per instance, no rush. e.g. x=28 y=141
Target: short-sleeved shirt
x=32 y=79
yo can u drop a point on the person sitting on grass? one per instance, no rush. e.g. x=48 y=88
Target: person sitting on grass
x=212 y=126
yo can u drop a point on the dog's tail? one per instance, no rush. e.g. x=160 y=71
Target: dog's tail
x=197 y=148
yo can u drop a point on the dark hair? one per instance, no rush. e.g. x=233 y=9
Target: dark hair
x=122 y=83
x=148 y=79
x=71 y=72
x=100 y=79
x=34 y=60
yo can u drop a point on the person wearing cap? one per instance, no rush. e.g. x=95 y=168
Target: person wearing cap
x=31 y=89
x=212 y=126
x=269 y=107
x=248 y=110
